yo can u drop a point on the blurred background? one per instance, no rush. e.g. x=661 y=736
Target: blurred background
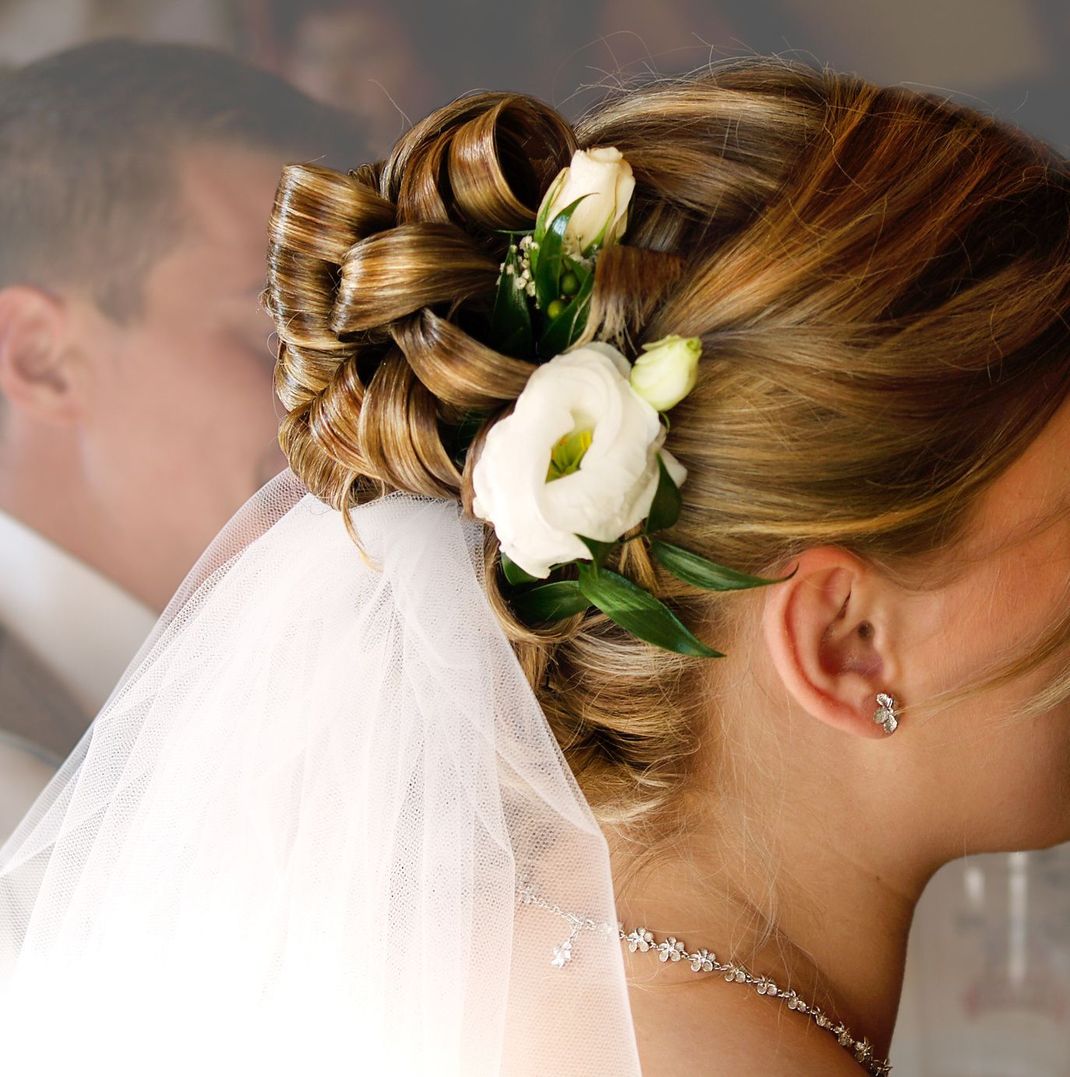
x=987 y=989
x=392 y=61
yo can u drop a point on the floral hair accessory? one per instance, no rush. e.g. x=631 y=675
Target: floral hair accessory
x=578 y=456
x=602 y=180
x=584 y=211
x=667 y=371
x=580 y=464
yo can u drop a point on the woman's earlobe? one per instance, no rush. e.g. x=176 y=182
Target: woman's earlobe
x=825 y=636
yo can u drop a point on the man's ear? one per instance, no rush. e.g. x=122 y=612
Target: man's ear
x=39 y=375
x=829 y=630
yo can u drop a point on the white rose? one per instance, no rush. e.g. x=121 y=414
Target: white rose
x=605 y=177
x=667 y=370
x=537 y=519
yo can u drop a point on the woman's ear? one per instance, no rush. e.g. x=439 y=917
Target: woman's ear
x=829 y=630
x=37 y=374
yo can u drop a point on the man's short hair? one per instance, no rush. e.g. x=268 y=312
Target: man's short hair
x=88 y=146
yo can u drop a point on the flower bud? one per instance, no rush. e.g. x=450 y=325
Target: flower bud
x=667 y=371
x=605 y=178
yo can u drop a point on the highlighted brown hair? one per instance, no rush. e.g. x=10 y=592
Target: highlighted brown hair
x=881 y=281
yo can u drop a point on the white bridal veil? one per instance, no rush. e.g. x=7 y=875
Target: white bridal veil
x=293 y=839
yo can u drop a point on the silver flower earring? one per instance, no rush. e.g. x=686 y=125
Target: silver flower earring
x=886 y=715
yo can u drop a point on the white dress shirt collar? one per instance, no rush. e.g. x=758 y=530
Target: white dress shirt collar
x=81 y=626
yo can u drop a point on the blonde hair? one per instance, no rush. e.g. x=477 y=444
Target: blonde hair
x=880 y=280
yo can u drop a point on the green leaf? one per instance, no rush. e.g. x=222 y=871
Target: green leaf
x=547 y=200
x=696 y=570
x=640 y=612
x=599 y=550
x=514 y=573
x=665 y=508
x=550 y=602
x=560 y=333
x=510 y=322
x=546 y=259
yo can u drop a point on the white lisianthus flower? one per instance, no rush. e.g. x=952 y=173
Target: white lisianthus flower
x=577 y=456
x=605 y=177
x=667 y=370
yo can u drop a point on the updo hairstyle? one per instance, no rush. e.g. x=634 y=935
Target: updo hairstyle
x=881 y=283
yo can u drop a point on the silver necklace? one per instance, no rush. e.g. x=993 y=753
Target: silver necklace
x=673 y=949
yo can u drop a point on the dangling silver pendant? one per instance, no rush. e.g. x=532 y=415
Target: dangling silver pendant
x=562 y=954
x=886 y=716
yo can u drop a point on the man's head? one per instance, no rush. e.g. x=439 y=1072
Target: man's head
x=135 y=374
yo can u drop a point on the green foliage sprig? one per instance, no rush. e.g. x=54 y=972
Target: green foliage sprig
x=622 y=600
x=544 y=293
x=541 y=307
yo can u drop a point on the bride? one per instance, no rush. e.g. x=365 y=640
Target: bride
x=672 y=575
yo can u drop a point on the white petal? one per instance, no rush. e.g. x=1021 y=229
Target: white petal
x=677 y=471
x=624 y=368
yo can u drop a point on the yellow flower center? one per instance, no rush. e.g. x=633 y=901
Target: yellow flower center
x=567 y=453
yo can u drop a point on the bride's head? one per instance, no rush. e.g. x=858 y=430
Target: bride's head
x=881 y=284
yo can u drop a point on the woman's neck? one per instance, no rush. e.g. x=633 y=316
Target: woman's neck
x=837 y=933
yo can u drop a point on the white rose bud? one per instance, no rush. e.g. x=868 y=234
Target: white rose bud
x=600 y=219
x=577 y=456
x=667 y=371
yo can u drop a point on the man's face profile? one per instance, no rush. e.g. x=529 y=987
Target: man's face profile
x=178 y=423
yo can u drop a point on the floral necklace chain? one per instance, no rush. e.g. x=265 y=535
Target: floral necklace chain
x=673 y=949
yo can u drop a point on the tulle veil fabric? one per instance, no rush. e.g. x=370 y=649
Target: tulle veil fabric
x=292 y=840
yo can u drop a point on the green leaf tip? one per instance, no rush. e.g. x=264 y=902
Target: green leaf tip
x=694 y=569
x=639 y=612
